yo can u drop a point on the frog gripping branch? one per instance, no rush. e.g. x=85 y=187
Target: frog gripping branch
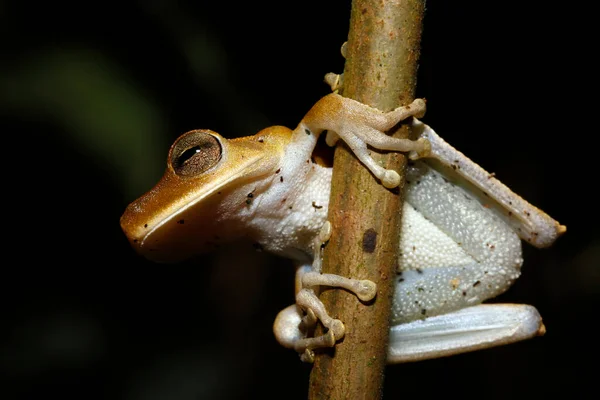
x=461 y=230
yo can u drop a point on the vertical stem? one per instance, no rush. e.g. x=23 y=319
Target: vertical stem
x=381 y=66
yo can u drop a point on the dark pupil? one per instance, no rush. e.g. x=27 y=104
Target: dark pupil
x=186 y=155
x=195 y=153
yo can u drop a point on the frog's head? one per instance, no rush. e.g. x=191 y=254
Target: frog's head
x=186 y=212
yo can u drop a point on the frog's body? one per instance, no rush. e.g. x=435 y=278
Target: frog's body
x=455 y=251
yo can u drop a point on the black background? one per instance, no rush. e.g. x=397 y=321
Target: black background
x=93 y=93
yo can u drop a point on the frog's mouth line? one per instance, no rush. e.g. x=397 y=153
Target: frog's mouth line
x=203 y=195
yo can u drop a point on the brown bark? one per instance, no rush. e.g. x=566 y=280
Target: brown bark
x=381 y=66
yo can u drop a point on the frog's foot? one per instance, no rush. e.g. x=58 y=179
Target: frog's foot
x=370 y=133
x=364 y=289
x=335 y=81
x=295 y=331
x=307 y=300
x=360 y=126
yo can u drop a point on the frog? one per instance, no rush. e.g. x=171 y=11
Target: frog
x=460 y=241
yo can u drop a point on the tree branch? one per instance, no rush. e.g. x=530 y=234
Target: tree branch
x=381 y=65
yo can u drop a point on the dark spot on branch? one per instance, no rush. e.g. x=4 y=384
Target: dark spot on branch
x=369 y=240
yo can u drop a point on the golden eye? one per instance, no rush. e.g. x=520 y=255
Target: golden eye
x=194 y=153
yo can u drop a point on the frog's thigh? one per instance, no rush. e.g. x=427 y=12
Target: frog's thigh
x=454 y=253
x=469 y=329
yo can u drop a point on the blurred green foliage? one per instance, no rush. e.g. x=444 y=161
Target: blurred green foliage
x=96 y=106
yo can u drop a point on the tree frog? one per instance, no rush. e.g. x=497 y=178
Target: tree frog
x=461 y=230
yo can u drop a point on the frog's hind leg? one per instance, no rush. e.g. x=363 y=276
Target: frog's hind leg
x=473 y=328
x=455 y=254
x=531 y=224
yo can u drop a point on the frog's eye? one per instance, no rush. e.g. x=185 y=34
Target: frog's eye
x=194 y=153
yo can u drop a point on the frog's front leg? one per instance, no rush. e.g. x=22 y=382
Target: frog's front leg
x=360 y=125
x=295 y=331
